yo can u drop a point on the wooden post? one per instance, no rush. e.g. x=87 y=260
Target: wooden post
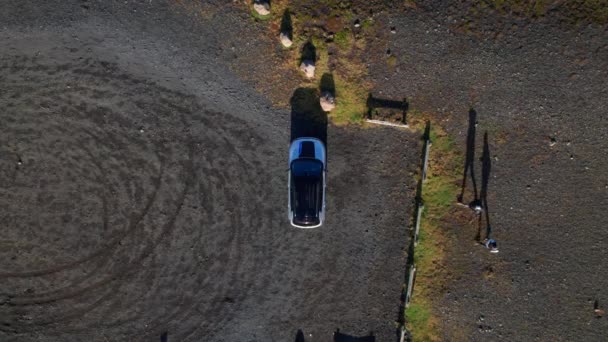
x=425 y=163
x=410 y=285
x=418 y=218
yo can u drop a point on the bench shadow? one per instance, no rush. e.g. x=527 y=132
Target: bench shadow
x=307 y=117
x=376 y=102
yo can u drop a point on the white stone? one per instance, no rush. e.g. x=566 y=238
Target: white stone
x=285 y=39
x=308 y=68
x=261 y=7
x=327 y=101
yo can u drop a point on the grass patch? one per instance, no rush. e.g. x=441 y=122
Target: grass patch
x=439 y=192
x=367 y=24
x=343 y=39
x=340 y=55
x=351 y=103
x=419 y=315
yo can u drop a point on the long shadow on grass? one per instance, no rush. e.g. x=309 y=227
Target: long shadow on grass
x=309 y=52
x=286 y=24
x=327 y=84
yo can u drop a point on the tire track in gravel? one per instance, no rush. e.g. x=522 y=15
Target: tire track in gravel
x=79 y=122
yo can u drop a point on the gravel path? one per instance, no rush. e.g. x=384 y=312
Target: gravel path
x=143 y=190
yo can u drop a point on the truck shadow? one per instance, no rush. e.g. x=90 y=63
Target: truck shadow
x=307 y=117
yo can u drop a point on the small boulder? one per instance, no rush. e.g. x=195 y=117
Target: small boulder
x=262 y=7
x=285 y=40
x=327 y=101
x=308 y=68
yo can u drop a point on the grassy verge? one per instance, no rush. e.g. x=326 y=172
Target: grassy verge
x=439 y=192
x=338 y=48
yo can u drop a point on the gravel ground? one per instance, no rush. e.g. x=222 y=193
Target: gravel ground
x=143 y=189
x=528 y=82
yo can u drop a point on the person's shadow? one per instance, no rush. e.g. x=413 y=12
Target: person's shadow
x=307 y=117
x=486 y=167
x=469 y=166
x=300 y=336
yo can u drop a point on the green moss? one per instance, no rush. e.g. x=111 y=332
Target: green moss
x=417 y=315
x=367 y=24
x=343 y=39
x=351 y=103
x=439 y=192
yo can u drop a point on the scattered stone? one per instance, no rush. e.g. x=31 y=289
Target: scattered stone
x=327 y=101
x=596 y=309
x=285 y=40
x=262 y=7
x=553 y=142
x=308 y=68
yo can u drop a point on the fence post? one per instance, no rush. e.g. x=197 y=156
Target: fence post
x=419 y=209
x=426 y=158
x=402 y=338
x=410 y=285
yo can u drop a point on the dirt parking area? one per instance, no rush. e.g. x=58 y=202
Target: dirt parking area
x=143 y=190
x=538 y=88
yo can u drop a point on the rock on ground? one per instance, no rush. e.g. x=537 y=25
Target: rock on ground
x=327 y=101
x=285 y=40
x=262 y=7
x=308 y=68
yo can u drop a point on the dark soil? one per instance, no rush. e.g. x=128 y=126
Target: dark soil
x=539 y=90
x=143 y=189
